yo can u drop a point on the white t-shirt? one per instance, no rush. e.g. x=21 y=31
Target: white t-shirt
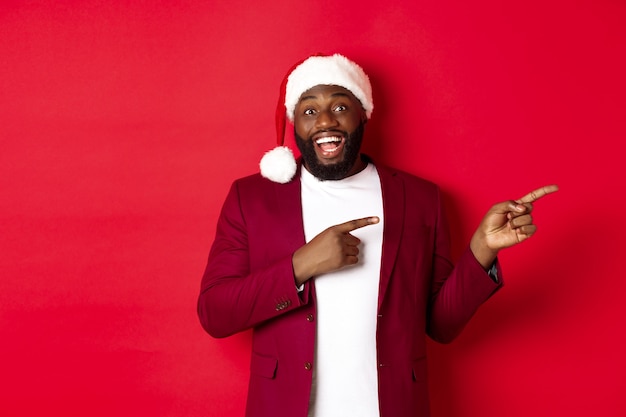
x=345 y=379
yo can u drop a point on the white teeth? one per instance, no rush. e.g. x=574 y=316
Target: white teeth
x=328 y=140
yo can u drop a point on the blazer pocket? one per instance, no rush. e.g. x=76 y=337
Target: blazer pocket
x=419 y=369
x=263 y=366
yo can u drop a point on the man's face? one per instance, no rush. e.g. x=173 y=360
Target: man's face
x=329 y=123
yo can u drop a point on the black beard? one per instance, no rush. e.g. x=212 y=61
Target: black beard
x=336 y=171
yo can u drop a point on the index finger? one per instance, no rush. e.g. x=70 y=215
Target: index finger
x=357 y=224
x=538 y=193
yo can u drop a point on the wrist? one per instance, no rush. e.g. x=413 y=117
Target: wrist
x=300 y=270
x=482 y=252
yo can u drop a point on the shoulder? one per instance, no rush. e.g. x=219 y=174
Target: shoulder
x=256 y=186
x=253 y=180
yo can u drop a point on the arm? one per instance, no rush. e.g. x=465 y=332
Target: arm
x=238 y=293
x=252 y=275
x=458 y=292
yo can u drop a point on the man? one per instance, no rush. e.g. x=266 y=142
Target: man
x=340 y=265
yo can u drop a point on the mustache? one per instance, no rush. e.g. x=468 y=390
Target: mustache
x=336 y=132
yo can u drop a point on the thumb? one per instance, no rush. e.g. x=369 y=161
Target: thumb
x=506 y=207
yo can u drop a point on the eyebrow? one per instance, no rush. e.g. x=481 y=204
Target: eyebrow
x=337 y=94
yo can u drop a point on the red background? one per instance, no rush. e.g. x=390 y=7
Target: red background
x=123 y=125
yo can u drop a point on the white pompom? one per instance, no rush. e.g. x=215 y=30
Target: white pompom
x=278 y=165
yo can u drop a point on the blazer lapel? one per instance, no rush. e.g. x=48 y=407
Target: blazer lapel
x=393 y=208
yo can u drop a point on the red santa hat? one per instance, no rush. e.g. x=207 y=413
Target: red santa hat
x=279 y=164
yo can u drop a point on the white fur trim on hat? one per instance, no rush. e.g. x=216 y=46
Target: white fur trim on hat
x=278 y=165
x=328 y=70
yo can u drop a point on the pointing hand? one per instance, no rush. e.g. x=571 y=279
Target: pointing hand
x=506 y=224
x=331 y=250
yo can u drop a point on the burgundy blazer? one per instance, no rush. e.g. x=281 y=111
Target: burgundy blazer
x=249 y=283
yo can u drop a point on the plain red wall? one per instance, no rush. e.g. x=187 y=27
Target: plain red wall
x=123 y=125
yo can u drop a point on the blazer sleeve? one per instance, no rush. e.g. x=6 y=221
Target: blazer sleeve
x=456 y=291
x=237 y=294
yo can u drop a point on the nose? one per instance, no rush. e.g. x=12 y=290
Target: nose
x=325 y=119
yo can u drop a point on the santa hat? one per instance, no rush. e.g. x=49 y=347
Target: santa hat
x=279 y=164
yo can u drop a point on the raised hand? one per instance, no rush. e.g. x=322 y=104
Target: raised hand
x=506 y=224
x=332 y=249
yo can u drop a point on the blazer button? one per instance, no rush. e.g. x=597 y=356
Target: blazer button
x=309 y=317
x=308 y=366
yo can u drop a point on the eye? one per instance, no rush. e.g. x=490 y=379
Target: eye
x=309 y=112
x=341 y=107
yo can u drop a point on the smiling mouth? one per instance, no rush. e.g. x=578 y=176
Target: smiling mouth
x=329 y=145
